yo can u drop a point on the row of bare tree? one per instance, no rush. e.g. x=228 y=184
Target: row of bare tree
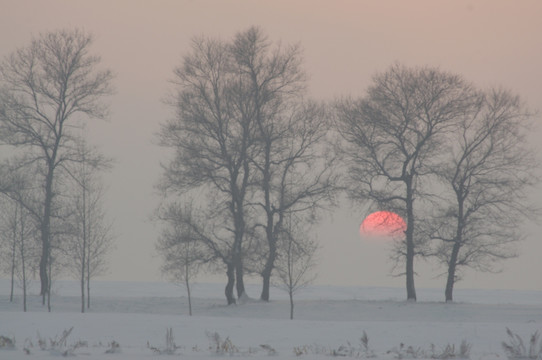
x=254 y=161
x=452 y=159
x=52 y=212
x=249 y=159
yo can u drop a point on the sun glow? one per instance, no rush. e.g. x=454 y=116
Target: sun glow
x=383 y=224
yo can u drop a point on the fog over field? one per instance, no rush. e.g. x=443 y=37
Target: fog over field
x=344 y=43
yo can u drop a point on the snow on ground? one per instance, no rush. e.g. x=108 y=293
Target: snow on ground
x=137 y=315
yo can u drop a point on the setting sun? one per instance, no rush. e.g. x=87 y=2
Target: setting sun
x=382 y=224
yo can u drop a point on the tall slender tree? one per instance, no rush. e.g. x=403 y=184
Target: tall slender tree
x=487 y=175
x=91 y=237
x=44 y=87
x=182 y=251
x=296 y=260
x=212 y=136
x=292 y=172
x=17 y=243
x=19 y=225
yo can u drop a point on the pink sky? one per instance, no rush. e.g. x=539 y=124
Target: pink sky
x=490 y=42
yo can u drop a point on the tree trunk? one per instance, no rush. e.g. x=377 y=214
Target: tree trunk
x=88 y=292
x=16 y=223
x=13 y=256
x=411 y=290
x=291 y=304
x=83 y=292
x=239 y=282
x=23 y=265
x=270 y=262
x=268 y=270
x=45 y=235
x=452 y=263
x=88 y=277
x=50 y=277
x=187 y=283
x=448 y=293
x=24 y=275
x=237 y=261
x=266 y=280
x=83 y=249
x=83 y=268
x=88 y=220
x=230 y=272
x=24 y=287
x=43 y=271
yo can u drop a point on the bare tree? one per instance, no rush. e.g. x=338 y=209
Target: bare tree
x=212 y=135
x=393 y=138
x=44 y=88
x=182 y=252
x=292 y=173
x=17 y=240
x=296 y=260
x=92 y=235
x=487 y=175
x=9 y=228
x=27 y=250
x=208 y=234
x=100 y=241
x=20 y=224
x=244 y=132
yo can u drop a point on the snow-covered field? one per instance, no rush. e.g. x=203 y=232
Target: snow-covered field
x=327 y=320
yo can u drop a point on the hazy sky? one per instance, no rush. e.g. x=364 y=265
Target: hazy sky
x=492 y=42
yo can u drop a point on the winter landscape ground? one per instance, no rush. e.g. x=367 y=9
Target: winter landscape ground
x=329 y=321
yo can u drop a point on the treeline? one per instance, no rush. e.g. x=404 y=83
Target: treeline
x=256 y=163
x=52 y=215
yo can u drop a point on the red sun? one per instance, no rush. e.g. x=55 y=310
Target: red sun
x=383 y=224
